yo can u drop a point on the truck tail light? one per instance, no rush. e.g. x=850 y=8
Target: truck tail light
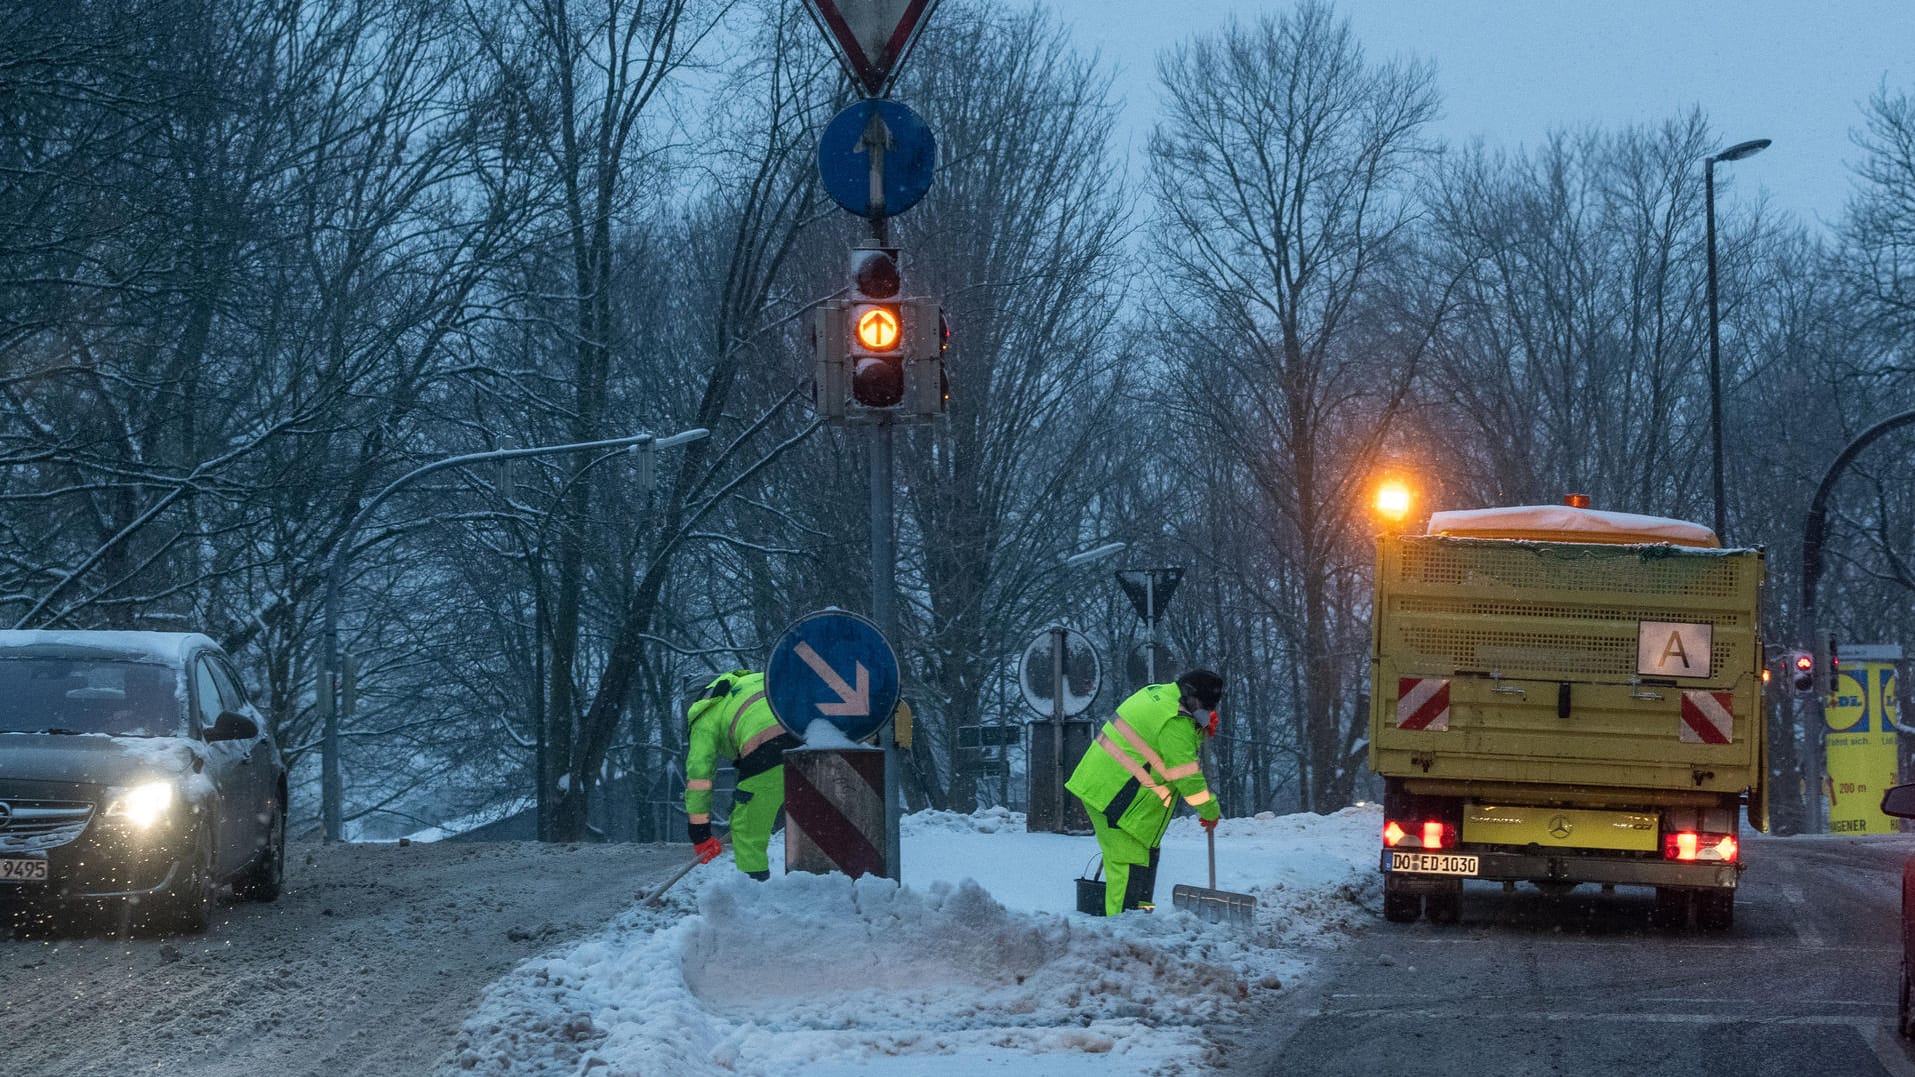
x=1419 y=834
x=1699 y=845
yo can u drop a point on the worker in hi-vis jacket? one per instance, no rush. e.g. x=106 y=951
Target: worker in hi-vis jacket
x=732 y=720
x=1142 y=758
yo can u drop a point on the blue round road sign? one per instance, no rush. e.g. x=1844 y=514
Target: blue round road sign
x=836 y=666
x=844 y=157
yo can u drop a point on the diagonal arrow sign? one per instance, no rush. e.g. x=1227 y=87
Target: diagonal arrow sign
x=853 y=702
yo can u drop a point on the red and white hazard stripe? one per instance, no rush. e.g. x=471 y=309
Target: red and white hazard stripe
x=1423 y=703
x=1707 y=717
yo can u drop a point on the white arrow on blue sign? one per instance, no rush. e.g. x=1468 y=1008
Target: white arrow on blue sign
x=836 y=666
x=907 y=150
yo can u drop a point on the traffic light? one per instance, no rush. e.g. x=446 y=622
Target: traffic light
x=877 y=348
x=1802 y=672
x=926 y=389
x=831 y=384
x=875 y=322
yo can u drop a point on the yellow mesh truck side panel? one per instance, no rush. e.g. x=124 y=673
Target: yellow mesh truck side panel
x=1539 y=644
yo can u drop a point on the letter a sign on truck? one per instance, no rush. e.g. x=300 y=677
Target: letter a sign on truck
x=1668 y=649
x=872 y=36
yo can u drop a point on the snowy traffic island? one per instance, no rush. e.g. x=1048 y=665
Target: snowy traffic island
x=975 y=965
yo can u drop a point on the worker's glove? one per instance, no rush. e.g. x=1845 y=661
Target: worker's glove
x=707 y=850
x=1211 y=729
x=1208 y=824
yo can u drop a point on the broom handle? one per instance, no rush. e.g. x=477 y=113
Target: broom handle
x=652 y=898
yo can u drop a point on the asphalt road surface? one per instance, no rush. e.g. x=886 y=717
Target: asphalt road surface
x=1804 y=984
x=367 y=964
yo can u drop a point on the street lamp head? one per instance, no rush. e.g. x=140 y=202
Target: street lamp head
x=1393 y=500
x=1742 y=149
x=1101 y=552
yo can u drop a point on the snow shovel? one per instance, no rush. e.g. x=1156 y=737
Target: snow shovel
x=1211 y=904
x=653 y=897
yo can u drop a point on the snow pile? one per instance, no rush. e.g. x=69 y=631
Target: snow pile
x=975 y=965
x=928 y=824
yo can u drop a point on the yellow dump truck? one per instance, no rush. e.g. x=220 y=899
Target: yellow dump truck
x=1564 y=696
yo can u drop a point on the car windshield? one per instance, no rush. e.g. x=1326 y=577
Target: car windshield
x=118 y=696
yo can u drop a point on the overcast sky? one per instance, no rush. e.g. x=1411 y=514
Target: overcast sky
x=1510 y=71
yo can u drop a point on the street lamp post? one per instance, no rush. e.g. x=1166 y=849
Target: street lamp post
x=331 y=788
x=1734 y=153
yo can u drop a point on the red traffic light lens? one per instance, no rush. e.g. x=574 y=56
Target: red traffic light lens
x=1804 y=662
x=874 y=273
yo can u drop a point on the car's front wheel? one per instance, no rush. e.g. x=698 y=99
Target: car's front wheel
x=265 y=877
x=187 y=907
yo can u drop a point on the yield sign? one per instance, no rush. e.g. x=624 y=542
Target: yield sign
x=872 y=36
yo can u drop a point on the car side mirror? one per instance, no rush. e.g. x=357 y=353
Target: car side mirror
x=1899 y=801
x=233 y=725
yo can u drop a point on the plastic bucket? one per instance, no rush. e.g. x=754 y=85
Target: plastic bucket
x=1090 y=892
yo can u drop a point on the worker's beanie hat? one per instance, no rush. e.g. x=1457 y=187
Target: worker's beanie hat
x=703 y=688
x=1204 y=688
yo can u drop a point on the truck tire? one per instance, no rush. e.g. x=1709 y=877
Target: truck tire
x=1400 y=907
x=1715 y=910
x=1902 y=1023
x=1672 y=909
x=1901 y=1005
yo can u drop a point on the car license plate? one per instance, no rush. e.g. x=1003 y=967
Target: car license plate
x=1434 y=863
x=20 y=869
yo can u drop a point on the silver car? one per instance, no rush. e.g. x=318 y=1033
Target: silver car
x=135 y=776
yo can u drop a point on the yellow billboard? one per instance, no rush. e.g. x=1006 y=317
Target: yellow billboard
x=1864 y=755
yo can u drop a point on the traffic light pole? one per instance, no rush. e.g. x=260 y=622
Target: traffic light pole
x=884 y=557
x=884 y=570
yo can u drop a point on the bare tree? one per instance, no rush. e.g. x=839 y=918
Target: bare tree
x=1280 y=173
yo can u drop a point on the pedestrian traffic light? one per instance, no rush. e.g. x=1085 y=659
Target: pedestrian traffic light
x=875 y=325
x=1802 y=672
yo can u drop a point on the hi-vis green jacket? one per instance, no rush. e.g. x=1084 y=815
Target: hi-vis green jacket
x=1143 y=756
x=737 y=725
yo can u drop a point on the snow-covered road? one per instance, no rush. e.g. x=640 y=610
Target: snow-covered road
x=528 y=959
x=367 y=965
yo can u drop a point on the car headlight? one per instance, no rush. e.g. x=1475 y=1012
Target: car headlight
x=143 y=805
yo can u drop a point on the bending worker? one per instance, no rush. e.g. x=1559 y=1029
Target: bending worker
x=732 y=719
x=1128 y=776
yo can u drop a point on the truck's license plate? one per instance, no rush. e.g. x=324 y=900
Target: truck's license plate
x=1434 y=863
x=22 y=870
